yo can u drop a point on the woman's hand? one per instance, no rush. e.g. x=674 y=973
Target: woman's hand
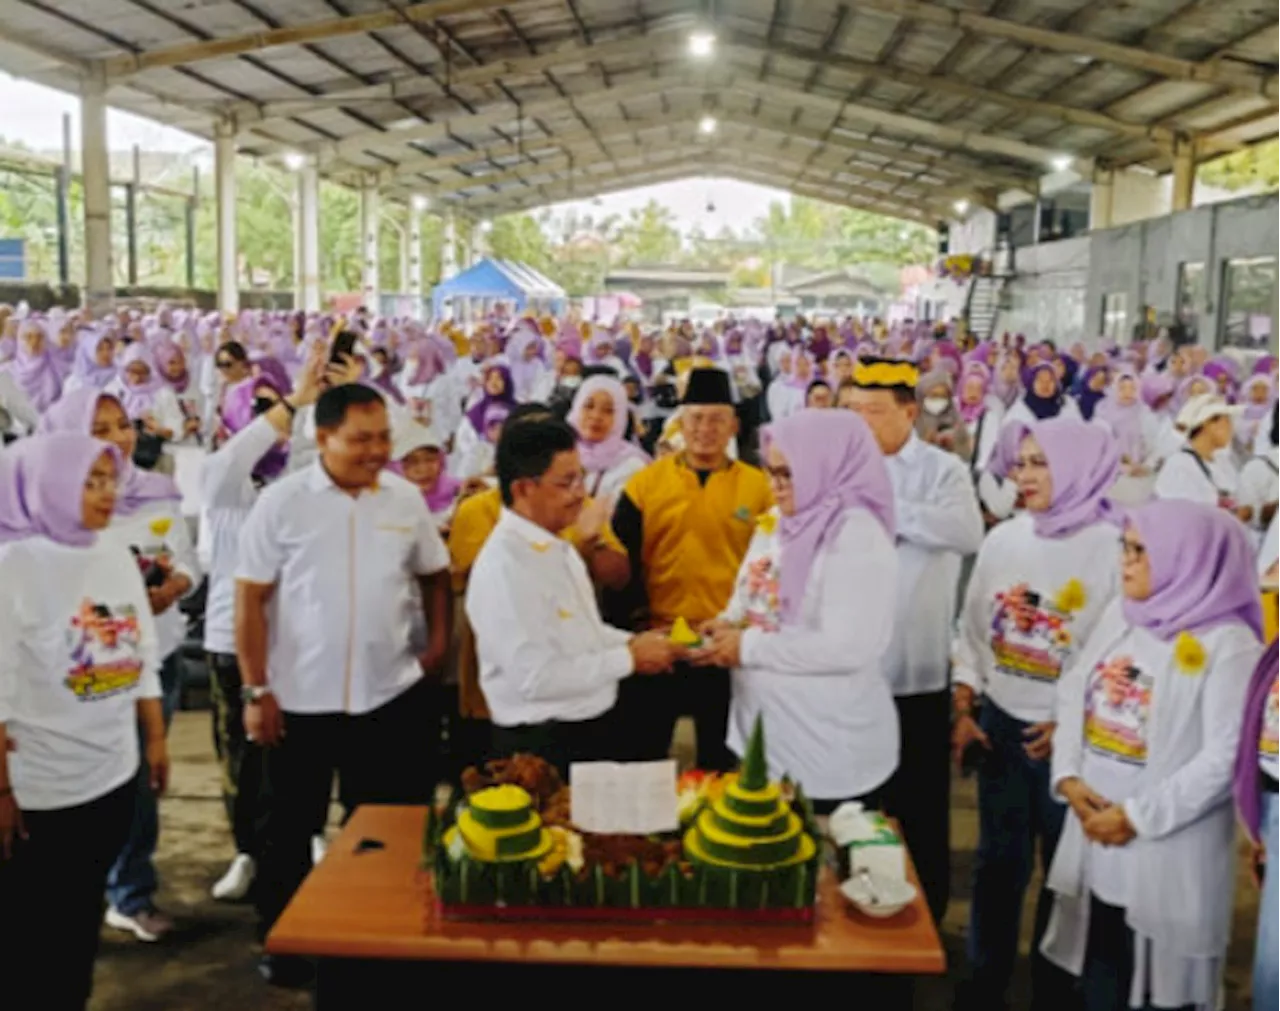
x=1038 y=740
x=1110 y=826
x=964 y=732
x=158 y=764
x=1083 y=800
x=714 y=627
x=722 y=648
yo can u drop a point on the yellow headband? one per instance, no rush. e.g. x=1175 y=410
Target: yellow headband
x=886 y=374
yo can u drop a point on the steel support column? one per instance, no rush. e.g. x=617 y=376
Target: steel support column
x=99 y=291
x=224 y=178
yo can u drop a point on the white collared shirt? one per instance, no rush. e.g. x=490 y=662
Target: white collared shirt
x=938 y=522
x=344 y=568
x=545 y=653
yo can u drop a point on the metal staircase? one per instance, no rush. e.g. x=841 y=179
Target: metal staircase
x=982 y=305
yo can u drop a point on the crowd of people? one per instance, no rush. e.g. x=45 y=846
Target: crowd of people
x=407 y=548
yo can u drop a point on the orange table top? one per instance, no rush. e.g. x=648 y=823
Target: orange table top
x=378 y=904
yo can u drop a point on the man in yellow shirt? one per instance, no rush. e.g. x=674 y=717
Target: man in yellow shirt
x=686 y=522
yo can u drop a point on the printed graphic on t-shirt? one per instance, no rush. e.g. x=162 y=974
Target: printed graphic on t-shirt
x=759 y=590
x=1268 y=739
x=1030 y=637
x=1117 y=706
x=105 y=655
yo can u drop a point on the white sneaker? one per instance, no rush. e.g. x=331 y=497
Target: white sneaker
x=146 y=924
x=235 y=884
x=319 y=847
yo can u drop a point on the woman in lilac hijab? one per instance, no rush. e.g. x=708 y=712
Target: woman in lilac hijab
x=34 y=368
x=812 y=612
x=79 y=670
x=599 y=415
x=1041 y=582
x=1148 y=728
x=94 y=364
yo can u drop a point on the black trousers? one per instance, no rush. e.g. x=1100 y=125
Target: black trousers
x=244 y=789
x=51 y=899
x=649 y=705
x=1108 y=962
x=387 y=756
x=560 y=743
x=918 y=794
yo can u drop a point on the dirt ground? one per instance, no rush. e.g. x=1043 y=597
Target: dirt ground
x=209 y=961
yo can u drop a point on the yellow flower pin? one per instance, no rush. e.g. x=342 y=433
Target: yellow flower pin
x=768 y=522
x=1071 y=597
x=1188 y=654
x=160 y=525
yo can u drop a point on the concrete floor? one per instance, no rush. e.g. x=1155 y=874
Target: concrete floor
x=209 y=961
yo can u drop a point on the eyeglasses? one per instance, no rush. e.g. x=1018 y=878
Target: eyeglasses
x=222 y=364
x=1131 y=550
x=578 y=480
x=780 y=475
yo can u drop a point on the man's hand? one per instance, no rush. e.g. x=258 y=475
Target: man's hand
x=11 y=827
x=191 y=427
x=594 y=517
x=1110 y=827
x=158 y=764
x=653 y=653
x=721 y=648
x=716 y=626
x=432 y=658
x=1039 y=740
x=263 y=721
x=1083 y=800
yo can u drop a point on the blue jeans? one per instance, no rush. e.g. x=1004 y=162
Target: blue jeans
x=1266 y=978
x=1015 y=811
x=132 y=880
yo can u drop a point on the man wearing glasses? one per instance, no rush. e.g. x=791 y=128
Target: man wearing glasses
x=686 y=522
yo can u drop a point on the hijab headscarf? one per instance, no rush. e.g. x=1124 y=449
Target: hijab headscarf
x=239 y=408
x=139 y=399
x=440 y=495
x=1203 y=570
x=42 y=487
x=165 y=352
x=73 y=414
x=1083 y=464
x=836 y=465
x=1245 y=781
x=928 y=425
x=614 y=448
x=86 y=367
x=1042 y=407
x=1154 y=387
x=507 y=398
x=1008 y=390
x=38 y=374
x=972 y=412
x=525 y=374
x=1088 y=398
x=1124 y=420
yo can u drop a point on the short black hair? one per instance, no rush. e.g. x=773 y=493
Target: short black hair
x=235 y=349
x=533 y=410
x=903 y=397
x=528 y=449
x=332 y=407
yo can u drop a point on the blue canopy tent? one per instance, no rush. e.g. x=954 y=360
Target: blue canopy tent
x=494 y=280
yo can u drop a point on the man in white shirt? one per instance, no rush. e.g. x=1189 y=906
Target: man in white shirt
x=329 y=559
x=549 y=666
x=939 y=522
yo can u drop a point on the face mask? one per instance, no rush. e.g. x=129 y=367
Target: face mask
x=571 y=382
x=936 y=405
x=262 y=404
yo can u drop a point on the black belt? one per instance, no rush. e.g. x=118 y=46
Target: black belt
x=1267 y=782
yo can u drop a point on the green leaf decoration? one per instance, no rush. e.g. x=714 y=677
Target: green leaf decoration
x=755 y=766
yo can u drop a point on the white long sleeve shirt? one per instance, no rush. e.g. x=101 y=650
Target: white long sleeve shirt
x=1185 y=476
x=345 y=571
x=1258 y=486
x=156 y=529
x=1020 y=627
x=77 y=651
x=545 y=653
x=18 y=405
x=938 y=522
x=228 y=496
x=832 y=723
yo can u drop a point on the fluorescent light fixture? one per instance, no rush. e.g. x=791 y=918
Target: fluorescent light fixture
x=1061 y=162
x=294 y=161
x=961 y=206
x=420 y=202
x=707 y=124
x=701 y=44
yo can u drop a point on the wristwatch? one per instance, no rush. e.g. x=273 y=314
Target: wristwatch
x=249 y=694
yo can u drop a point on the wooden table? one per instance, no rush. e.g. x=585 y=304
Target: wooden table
x=369 y=917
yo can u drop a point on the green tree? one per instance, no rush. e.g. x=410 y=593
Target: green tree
x=648 y=235
x=1256 y=167
x=521 y=237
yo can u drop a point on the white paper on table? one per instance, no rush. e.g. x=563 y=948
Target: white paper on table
x=629 y=798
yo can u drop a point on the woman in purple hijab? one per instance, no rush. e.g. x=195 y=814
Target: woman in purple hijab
x=34 y=368
x=80 y=659
x=1148 y=729
x=812 y=612
x=94 y=363
x=245 y=401
x=1041 y=583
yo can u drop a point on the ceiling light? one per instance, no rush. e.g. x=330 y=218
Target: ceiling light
x=962 y=207
x=420 y=202
x=294 y=161
x=1061 y=162
x=707 y=124
x=486 y=226
x=701 y=44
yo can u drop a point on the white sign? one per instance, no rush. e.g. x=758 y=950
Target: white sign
x=631 y=798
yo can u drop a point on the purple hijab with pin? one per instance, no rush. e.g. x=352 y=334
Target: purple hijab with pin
x=42 y=487
x=614 y=448
x=139 y=399
x=1124 y=420
x=74 y=414
x=85 y=367
x=239 y=408
x=475 y=414
x=38 y=375
x=1083 y=464
x=836 y=465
